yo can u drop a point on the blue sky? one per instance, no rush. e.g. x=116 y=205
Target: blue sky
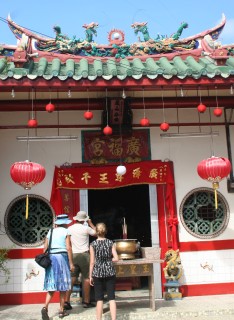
x=163 y=17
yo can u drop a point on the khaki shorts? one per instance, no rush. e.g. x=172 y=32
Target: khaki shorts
x=81 y=263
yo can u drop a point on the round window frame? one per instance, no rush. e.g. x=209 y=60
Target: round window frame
x=225 y=221
x=8 y=211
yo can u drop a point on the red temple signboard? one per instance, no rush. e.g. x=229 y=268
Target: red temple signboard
x=100 y=149
x=68 y=181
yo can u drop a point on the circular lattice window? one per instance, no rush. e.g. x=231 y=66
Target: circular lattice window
x=28 y=232
x=199 y=215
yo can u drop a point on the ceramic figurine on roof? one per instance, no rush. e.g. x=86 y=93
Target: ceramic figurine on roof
x=117 y=48
x=163 y=43
x=90 y=30
x=142 y=27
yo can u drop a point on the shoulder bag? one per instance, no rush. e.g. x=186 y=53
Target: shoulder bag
x=44 y=259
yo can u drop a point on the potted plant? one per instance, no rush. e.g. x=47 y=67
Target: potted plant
x=4 y=270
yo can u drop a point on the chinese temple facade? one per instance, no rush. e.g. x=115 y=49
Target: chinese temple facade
x=155 y=108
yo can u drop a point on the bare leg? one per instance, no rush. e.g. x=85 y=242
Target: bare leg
x=62 y=300
x=49 y=296
x=68 y=293
x=99 y=309
x=86 y=298
x=113 y=309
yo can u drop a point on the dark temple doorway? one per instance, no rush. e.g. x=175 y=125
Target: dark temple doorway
x=112 y=205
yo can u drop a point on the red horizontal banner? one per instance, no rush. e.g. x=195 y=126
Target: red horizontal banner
x=100 y=149
x=104 y=177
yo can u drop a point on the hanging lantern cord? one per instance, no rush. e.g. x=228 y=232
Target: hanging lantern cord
x=88 y=98
x=163 y=107
x=121 y=142
x=50 y=95
x=58 y=119
x=211 y=137
x=231 y=89
x=26 y=208
x=107 y=115
x=200 y=95
x=199 y=118
x=216 y=98
x=144 y=101
x=32 y=104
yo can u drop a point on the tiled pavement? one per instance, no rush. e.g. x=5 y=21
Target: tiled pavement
x=133 y=305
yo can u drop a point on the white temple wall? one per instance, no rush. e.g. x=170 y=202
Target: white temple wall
x=185 y=153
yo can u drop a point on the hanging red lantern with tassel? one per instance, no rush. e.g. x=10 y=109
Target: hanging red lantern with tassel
x=27 y=174
x=214 y=169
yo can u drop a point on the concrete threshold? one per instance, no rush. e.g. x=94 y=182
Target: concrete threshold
x=134 y=305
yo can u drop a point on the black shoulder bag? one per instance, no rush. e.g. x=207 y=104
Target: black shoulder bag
x=44 y=259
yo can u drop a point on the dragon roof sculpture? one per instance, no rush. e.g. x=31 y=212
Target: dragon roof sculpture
x=157 y=46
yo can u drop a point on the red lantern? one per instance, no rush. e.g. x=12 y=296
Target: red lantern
x=50 y=107
x=27 y=174
x=88 y=115
x=32 y=123
x=218 y=112
x=144 y=122
x=201 y=108
x=214 y=169
x=107 y=130
x=164 y=126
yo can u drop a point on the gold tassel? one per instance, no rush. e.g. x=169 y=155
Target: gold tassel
x=216 y=199
x=215 y=187
x=26 y=212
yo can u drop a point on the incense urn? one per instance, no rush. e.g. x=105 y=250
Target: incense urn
x=127 y=248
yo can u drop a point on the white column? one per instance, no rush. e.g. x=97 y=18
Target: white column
x=155 y=238
x=84 y=200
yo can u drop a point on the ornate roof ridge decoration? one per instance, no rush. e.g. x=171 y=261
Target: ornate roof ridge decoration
x=31 y=45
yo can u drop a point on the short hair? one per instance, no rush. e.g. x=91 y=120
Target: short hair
x=101 y=229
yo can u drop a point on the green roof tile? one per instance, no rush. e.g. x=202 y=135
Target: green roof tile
x=42 y=64
x=56 y=65
x=152 y=67
x=121 y=68
x=196 y=67
x=3 y=63
x=168 y=69
x=125 y=68
x=84 y=68
x=111 y=67
x=181 y=67
x=70 y=67
x=230 y=62
x=98 y=68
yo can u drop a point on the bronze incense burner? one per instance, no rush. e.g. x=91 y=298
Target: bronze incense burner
x=127 y=248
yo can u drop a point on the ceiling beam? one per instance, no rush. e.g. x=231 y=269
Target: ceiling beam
x=69 y=104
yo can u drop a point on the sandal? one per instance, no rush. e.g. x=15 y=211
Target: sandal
x=63 y=314
x=88 y=305
x=67 y=306
x=44 y=314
